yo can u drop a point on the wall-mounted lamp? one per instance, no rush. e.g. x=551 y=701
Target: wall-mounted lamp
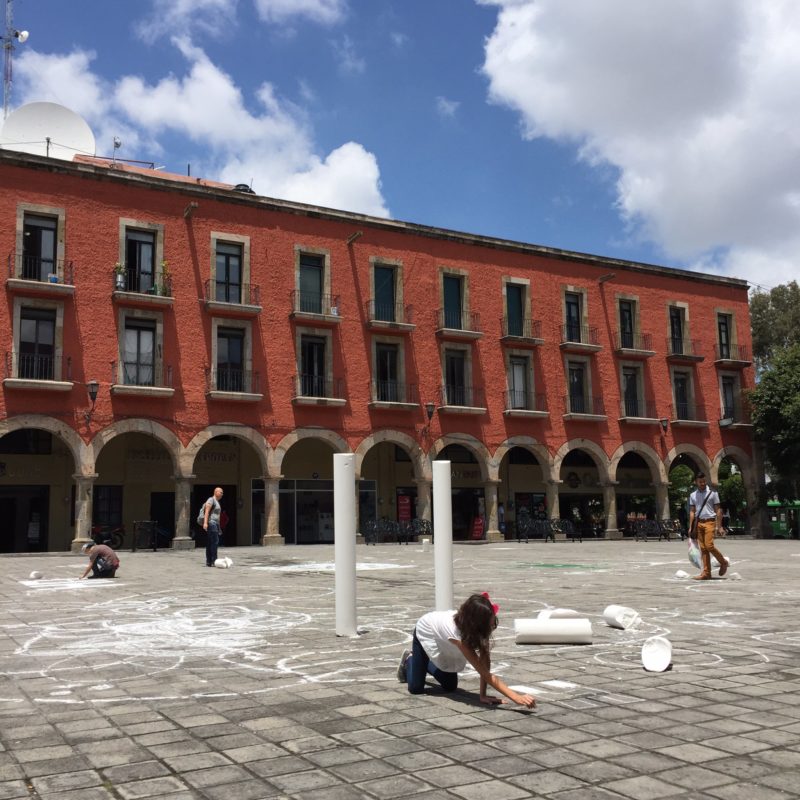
x=187 y=212
x=92 y=388
x=353 y=236
x=429 y=409
x=664 y=424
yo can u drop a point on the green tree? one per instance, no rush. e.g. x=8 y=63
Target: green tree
x=732 y=495
x=776 y=413
x=775 y=321
x=681 y=484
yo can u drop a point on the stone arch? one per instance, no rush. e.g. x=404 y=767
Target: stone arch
x=146 y=426
x=647 y=453
x=594 y=450
x=692 y=450
x=82 y=454
x=471 y=443
x=259 y=443
x=421 y=464
x=276 y=456
x=528 y=443
x=742 y=459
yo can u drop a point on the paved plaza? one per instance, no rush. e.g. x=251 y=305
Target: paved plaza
x=179 y=681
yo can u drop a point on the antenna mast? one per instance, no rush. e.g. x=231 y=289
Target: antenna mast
x=11 y=33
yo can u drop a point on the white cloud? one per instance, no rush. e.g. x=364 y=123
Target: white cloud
x=326 y=12
x=694 y=104
x=205 y=110
x=350 y=62
x=447 y=108
x=185 y=17
x=399 y=40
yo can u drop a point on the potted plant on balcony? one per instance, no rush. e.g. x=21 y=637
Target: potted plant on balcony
x=166 y=280
x=119 y=276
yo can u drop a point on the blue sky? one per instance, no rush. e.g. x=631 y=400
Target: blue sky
x=663 y=132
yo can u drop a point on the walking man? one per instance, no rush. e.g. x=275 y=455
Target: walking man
x=705 y=521
x=212 y=512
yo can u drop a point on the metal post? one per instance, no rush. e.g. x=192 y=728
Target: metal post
x=344 y=538
x=442 y=536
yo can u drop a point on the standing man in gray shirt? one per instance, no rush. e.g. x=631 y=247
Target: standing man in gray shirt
x=212 y=511
x=705 y=520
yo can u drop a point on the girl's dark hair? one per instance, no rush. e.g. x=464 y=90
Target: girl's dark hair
x=475 y=620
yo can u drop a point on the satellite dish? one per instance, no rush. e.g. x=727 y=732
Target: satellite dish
x=29 y=128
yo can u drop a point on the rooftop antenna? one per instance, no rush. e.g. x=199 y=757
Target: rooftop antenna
x=117 y=145
x=11 y=33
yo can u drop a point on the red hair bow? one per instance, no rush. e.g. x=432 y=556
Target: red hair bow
x=495 y=607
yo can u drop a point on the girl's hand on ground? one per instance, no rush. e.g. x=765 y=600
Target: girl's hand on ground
x=491 y=701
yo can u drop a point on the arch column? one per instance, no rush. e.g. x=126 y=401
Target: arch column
x=610 y=507
x=553 y=506
x=493 y=533
x=662 y=500
x=424 y=488
x=271 y=536
x=84 y=488
x=183 y=513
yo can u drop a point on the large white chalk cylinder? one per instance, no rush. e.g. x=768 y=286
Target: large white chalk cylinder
x=344 y=542
x=620 y=617
x=442 y=535
x=553 y=631
x=656 y=654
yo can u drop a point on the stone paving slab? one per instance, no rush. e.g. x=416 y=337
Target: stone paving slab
x=177 y=681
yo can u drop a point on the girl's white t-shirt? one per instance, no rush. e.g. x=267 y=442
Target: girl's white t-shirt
x=434 y=630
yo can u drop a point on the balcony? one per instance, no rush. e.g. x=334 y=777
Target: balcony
x=314 y=390
x=684 y=350
x=521 y=403
x=523 y=331
x=580 y=339
x=584 y=408
x=37 y=372
x=141 y=289
x=232 y=300
x=397 y=317
x=634 y=345
x=391 y=395
x=688 y=415
x=460 y=399
x=635 y=411
x=133 y=379
x=228 y=383
x=321 y=309
x=736 y=415
x=458 y=324
x=732 y=356
x=40 y=276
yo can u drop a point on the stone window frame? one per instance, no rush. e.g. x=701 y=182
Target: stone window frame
x=147 y=315
x=640 y=393
x=397 y=265
x=126 y=223
x=731 y=314
x=401 y=364
x=458 y=272
x=637 y=318
x=58 y=333
x=737 y=379
x=464 y=347
x=684 y=307
x=300 y=250
x=673 y=368
x=221 y=237
x=586 y=360
x=527 y=301
x=530 y=384
x=238 y=324
x=38 y=209
x=568 y=288
x=317 y=333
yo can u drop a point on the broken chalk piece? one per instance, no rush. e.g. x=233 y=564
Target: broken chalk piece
x=223 y=563
x=620 y=616
x=35 y=575
x=553 y=631
x=656 y=654
x=681 y=574
x=559 y=613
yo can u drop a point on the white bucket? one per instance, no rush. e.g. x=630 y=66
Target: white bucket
x=656 y=654
x=223 y=563
x=620 y=617
x=553 y=631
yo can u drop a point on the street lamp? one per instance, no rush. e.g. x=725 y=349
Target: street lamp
x=9 y=37
x=92 y=388
x=664 y=424
x=429 y=409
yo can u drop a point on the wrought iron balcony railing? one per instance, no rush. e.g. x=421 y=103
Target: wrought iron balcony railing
x=679 y=346
x=319 y=386
x=38 y=268
x=136 y=373
x=35 y=367
x=687 y=412
x=460 y=395
x=523 y=400
x=579 y=334
x=584 y=404
x=469 y=321
x=246 y=294
x=315 y=303
x=636 y=407
x=395 y=392
x=522 y=328
x=731 y=352
x=231 y=379
x=626 y=340
x=388 y=312
x=138 y=282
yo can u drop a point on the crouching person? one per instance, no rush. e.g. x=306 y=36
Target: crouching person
x=103 y=561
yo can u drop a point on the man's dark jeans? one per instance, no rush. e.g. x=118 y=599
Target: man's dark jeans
x=212 y=543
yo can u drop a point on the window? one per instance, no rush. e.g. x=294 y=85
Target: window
x=387 y=387
x=231 y=375
x=107 y=506
x=572 y=316
x=681 y=387
x=676 y=326
x=724 y=335
x=140 y=247
x=385 y=293
x=228 y=273
x=138 y=362
x=519 y=370
x=312 y=283
x=578 y=394
x=626 y=324
x=452 y=286
x=313 y=368
x=38 y=247
x=630 y=392
x=515 y=309
x=730 y=392
x=37 y=344
x=455 y=368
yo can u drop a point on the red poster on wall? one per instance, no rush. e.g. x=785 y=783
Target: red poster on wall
x=404 y=508
x=477 y=528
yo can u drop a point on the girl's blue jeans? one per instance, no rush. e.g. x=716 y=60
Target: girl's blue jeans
x=419 y=665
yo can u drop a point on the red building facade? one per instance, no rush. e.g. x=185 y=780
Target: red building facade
x=240 y=341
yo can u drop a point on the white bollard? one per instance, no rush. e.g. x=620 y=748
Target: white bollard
x=442 y=535
x=553 y=631
x=344 y=542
